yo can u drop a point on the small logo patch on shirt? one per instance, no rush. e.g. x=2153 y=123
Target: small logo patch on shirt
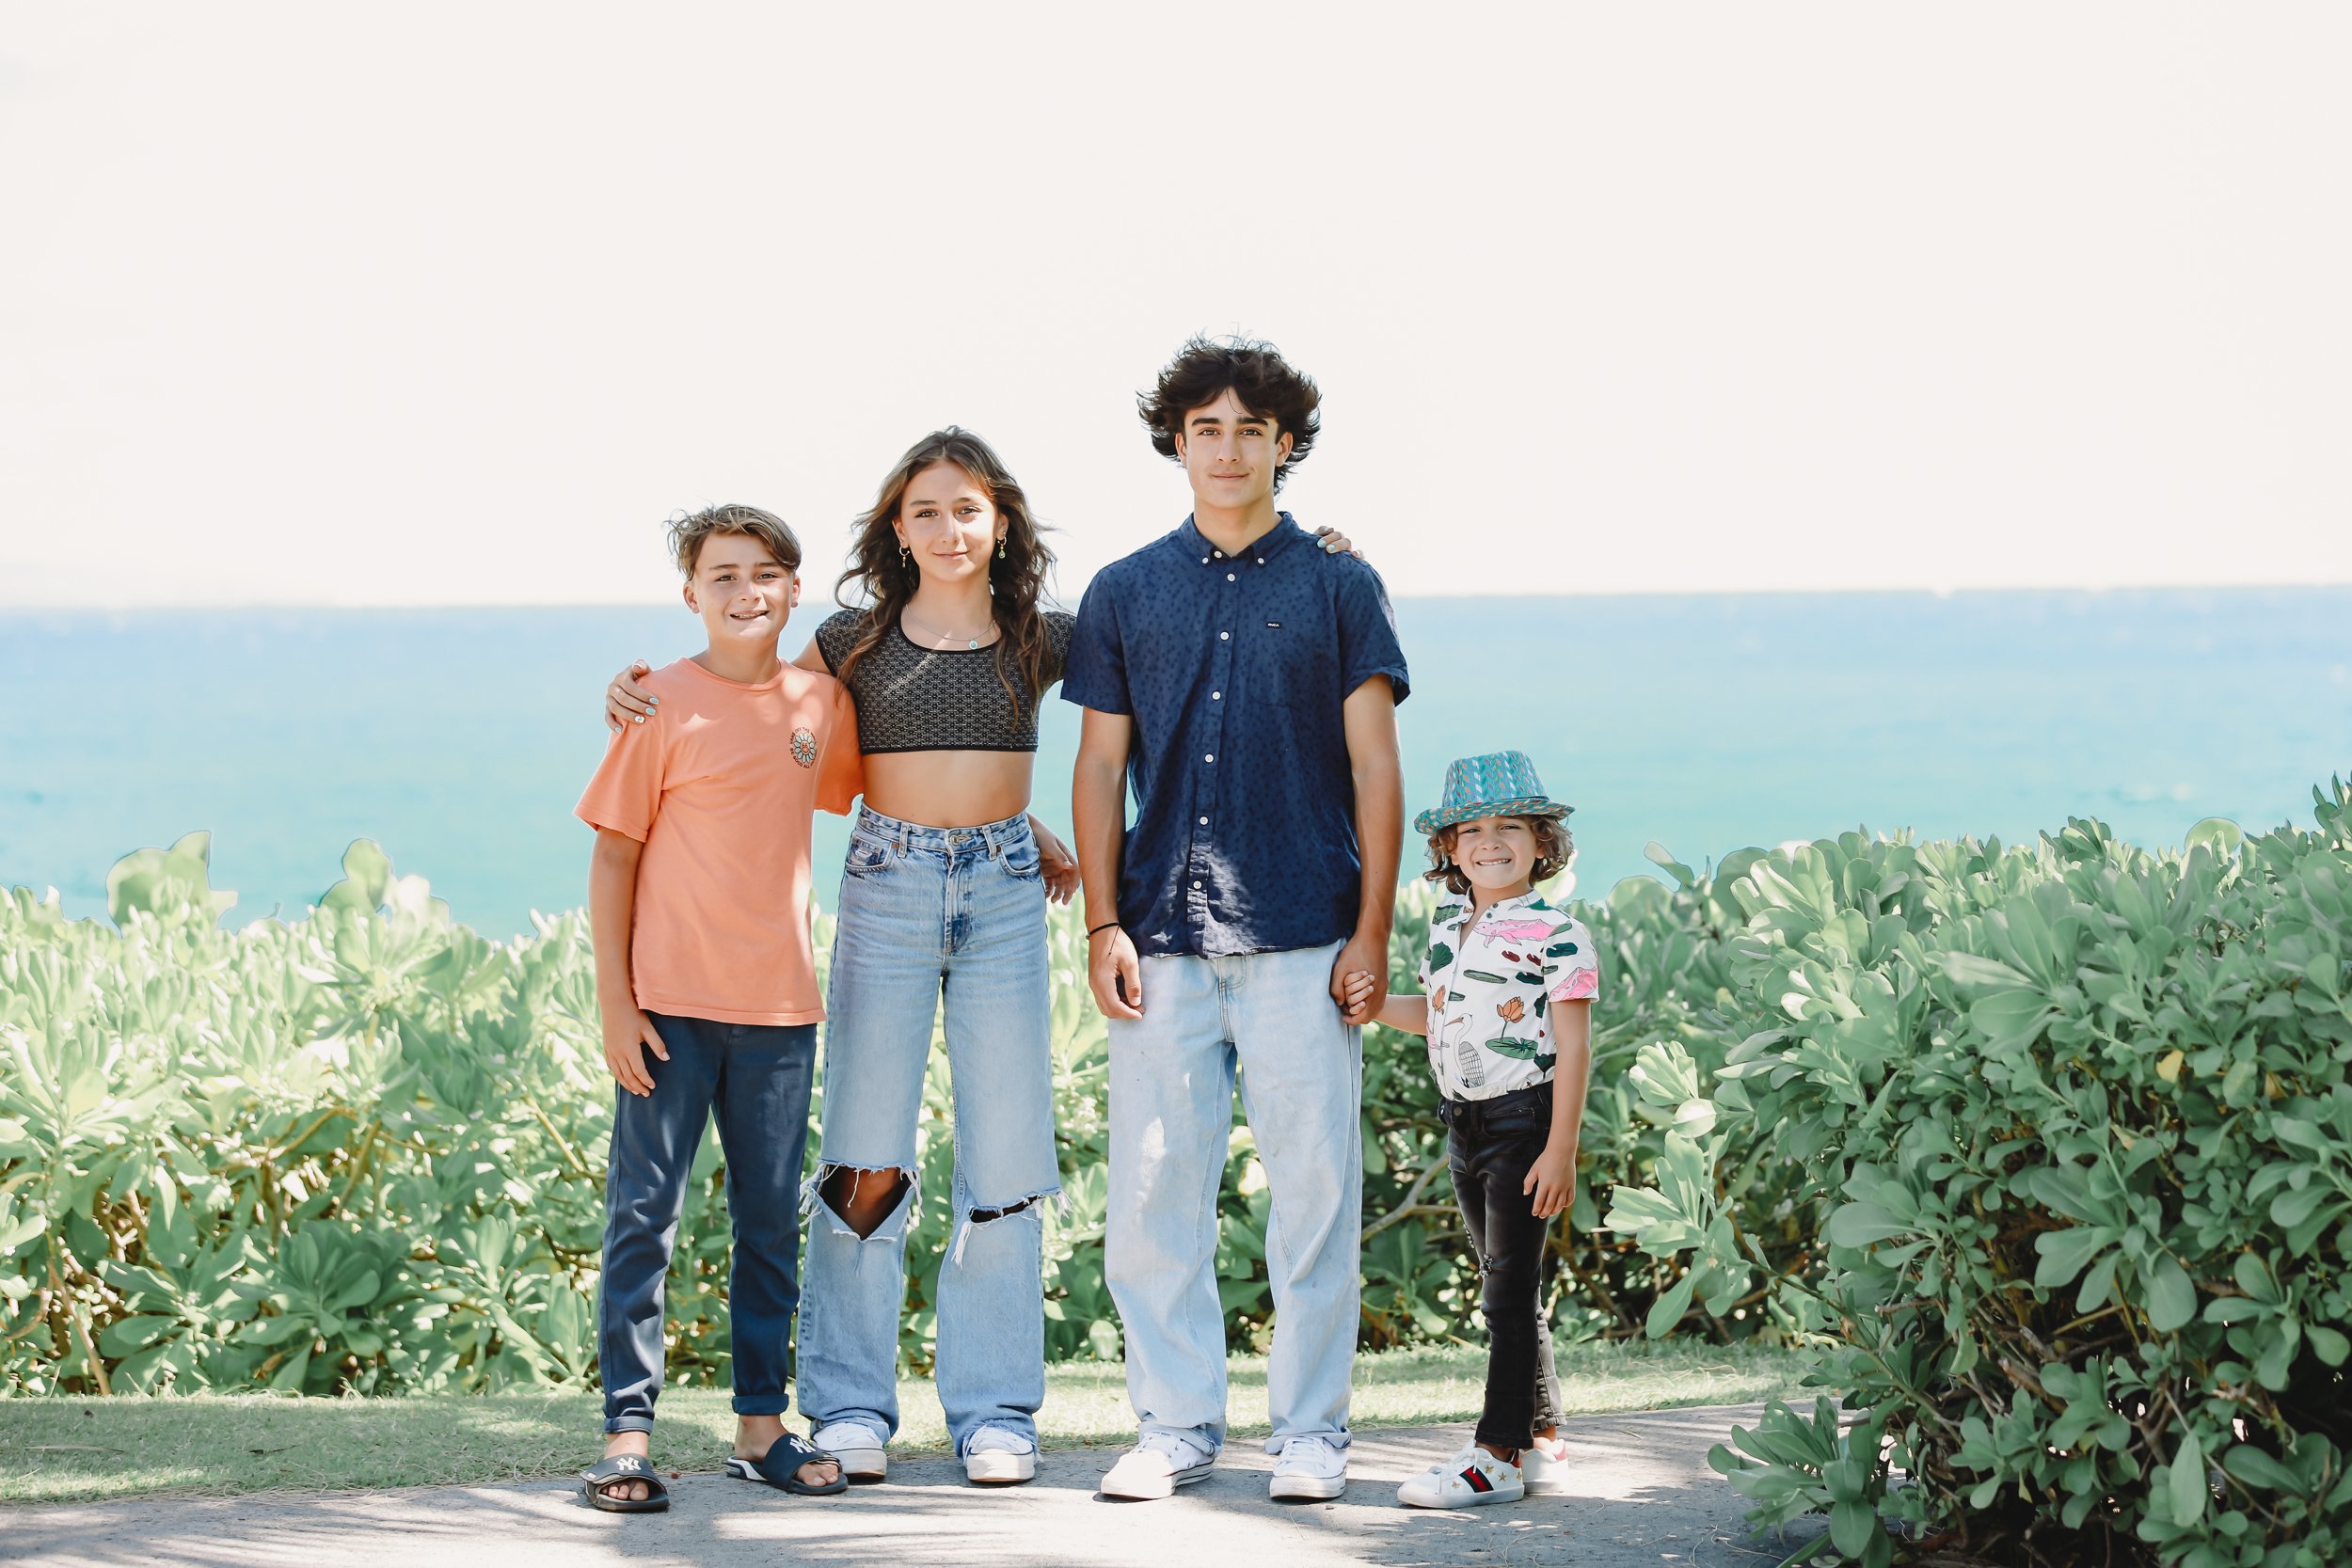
x=805 y=747
x=1273 y=625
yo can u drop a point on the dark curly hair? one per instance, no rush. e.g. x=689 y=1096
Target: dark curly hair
x=885 y=582
x=1267 y=384
x=1555 y=852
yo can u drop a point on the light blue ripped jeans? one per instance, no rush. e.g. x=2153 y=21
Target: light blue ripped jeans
x=1271 y=1015
x=927 y=914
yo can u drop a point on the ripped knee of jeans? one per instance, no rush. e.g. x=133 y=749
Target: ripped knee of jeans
x=975 y=1217
x=981 y=1216
x=863 y=1199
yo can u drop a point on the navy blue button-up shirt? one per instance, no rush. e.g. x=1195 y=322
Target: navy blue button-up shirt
x=1235 y=672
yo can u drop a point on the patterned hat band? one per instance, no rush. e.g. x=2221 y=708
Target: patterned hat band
x=1502 y=783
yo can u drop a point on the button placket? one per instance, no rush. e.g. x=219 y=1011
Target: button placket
x=1196 y=892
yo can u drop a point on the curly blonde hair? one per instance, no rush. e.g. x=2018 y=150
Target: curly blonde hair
x=1556 y=850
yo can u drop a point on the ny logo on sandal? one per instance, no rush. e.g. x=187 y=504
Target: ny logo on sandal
x=626 y=1462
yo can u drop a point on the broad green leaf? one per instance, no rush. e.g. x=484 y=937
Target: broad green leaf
x=1857 y=1225
x=1671 y=1305
x=1851 y=1526
x=2171 y=1298
x=2256 y=1468
x=2187 y=1486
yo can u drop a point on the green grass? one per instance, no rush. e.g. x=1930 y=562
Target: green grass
x=86 y=1450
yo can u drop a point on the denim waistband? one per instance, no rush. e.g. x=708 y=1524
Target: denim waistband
x=1473 y=1114
x=990 y=838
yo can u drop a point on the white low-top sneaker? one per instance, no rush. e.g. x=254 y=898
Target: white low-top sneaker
x=1467 y=1480
x=1156 y=1465
x=1309 y=1470
x=858 y=1447
x=1543 y=1468
x=995 y=1457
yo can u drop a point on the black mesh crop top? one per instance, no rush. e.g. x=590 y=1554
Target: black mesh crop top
x=916 y=698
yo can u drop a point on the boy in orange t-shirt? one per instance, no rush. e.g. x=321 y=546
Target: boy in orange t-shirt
x=698 y=899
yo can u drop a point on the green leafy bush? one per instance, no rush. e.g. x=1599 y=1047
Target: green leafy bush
x=2048 y=1150
x=364 y=1150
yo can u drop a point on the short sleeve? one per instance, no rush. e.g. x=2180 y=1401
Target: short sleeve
x=837 y=634
x=1571 y=968
x=1368 y=641
x=1095 y=671
x=840 y=767
x=1058 y=624
x=626 y=793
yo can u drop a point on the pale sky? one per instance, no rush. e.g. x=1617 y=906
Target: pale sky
x=451 y=304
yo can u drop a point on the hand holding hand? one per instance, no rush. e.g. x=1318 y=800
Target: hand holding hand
x=1364 y=958
x=1552 y=1178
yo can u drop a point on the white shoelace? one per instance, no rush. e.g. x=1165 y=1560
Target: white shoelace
x=1181 y=1454
x=1316 y=1454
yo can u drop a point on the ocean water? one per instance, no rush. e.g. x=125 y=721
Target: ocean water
x=460 y=739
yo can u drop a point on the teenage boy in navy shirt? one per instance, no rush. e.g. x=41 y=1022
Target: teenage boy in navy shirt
x=1248 y=689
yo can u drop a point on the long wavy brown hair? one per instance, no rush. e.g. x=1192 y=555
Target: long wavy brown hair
x=1016 y=580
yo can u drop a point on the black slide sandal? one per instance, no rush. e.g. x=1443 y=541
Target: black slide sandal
x=614 y=1467
x=786 y=1455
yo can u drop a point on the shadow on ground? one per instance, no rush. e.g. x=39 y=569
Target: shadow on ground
x=1641 y=1494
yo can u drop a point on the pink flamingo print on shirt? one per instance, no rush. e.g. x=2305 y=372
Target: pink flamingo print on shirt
x=1517 y=932
x=1578 y=985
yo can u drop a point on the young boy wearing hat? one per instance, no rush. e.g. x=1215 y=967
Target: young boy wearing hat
x=1510 y=982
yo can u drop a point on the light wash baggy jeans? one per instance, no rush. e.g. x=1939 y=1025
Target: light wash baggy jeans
x=927 y=912
x=1172 y=1097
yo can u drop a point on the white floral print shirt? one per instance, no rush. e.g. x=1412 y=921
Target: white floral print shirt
x=1491 y=985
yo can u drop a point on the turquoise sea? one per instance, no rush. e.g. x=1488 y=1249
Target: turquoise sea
x=460 y=739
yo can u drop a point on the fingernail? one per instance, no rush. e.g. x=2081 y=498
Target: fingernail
x=653 y=702
x=641 y=718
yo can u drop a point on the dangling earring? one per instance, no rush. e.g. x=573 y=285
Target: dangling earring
x=1000 y=547
x=905 y=559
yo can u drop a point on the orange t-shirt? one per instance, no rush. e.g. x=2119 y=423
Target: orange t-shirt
x=719 y=785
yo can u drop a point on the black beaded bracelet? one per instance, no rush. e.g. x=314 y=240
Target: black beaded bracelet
x=1105 y=927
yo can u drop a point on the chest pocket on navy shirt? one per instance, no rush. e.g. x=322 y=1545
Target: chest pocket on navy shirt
x=1292 y=651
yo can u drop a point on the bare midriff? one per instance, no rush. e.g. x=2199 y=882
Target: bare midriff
x=949 y=789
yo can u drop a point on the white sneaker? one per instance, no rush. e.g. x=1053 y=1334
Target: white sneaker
x=1543 y=1468
x=1469 y=1478
x=995 y=1457
x=1310 y=1469
x=858 y=1447
x=1156 y=1465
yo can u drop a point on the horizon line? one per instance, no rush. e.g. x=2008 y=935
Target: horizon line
x=28 y=607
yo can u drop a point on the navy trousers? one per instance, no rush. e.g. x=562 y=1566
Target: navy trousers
x=756 y=1079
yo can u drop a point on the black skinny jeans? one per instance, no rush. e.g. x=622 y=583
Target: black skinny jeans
x=1493 y=1143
